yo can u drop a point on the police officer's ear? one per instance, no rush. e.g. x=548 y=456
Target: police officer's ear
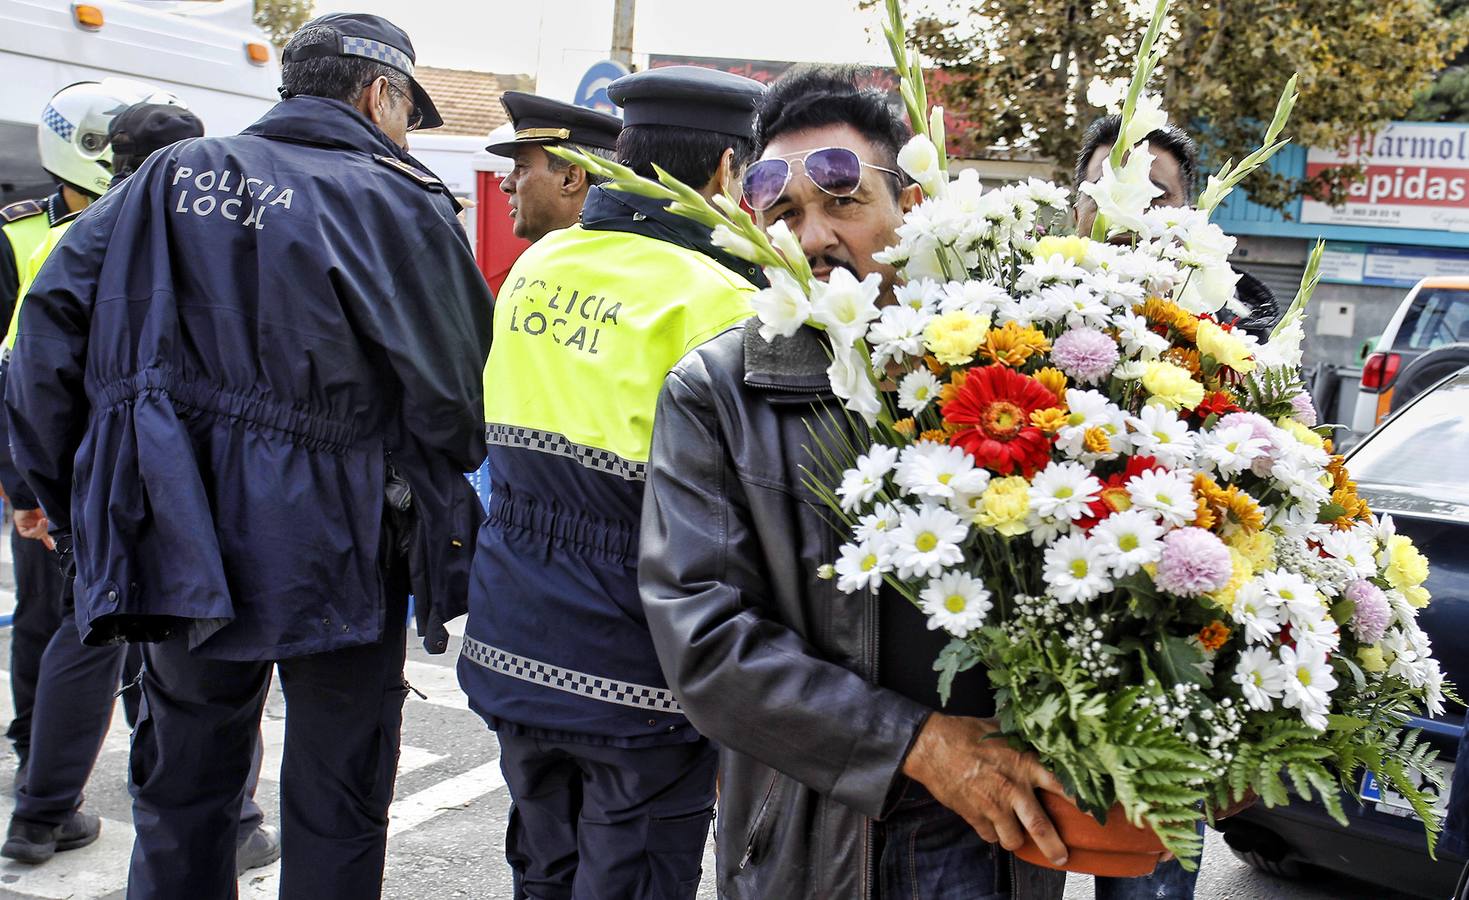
x=573 y=180
x=726 y=180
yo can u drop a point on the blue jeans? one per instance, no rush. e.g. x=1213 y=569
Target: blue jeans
x=1168 y=882
x=929 y=853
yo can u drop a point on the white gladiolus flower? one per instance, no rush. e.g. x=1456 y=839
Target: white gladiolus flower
x=785 y=241
x=1170 y=495
x=1206 y=289
x=920 y=159
x=783 y=307
x=1147 y=117
x=956 y=602
x=1123 y=195
x=1260 y=678
x=727 y=238
x=1075 y=570
x=1129 y=540
x=1063 y=490
x=861 y=483
x=852 y=383
x=860 y=567
x=845 y=305
x=1108 y=94
x=917 y=389
x=1284 y=349
x=927 y=541
x=1307 y=685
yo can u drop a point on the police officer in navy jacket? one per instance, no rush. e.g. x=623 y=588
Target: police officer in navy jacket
x=245 y=389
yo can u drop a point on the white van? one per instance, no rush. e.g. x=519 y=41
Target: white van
x=208 y=52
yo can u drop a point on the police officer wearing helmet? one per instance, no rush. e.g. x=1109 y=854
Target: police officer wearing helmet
x=72 y=141
x=547 y=192
x=612 y=788
x=271 y=433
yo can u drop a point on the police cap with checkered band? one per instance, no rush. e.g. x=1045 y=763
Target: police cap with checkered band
x=371 y=37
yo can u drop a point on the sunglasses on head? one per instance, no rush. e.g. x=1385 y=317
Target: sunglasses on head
x=835 y=170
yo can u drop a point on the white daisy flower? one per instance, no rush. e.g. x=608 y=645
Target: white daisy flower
x=1129 y=540
x=929 y=469
x=927 y=540
x=1075 y=570
x=1078 y=304
x=918 y=294
x=1044 y=193
x=1260 y=678
x=1087 y=410
x=1229 y=451
x=1136 y=338
x=1160 y=433
x=1116 y=293
x=982 y=298
x=860 y=567
x=917 y=389
x=897 y=335
x=956 y=602
x=1302 y=602
x=1257 y=612
x=878 y=523
x=1433 y=681
x=1308 y=684
x=1055 y=270
x=861 y=483
x=1355 y=549
x=1320 y=634
x=1168 y=494
x=1063 y=490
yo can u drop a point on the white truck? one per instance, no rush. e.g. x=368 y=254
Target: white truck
x=208 y=52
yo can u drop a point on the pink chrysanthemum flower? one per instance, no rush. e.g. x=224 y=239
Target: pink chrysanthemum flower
x=1304 y=409
x=1194 y=562
x=1373 y=612
x=1085 y=354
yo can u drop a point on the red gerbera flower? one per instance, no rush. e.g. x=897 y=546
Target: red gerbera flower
x=994 y=407
x=1218 y=403
x=1114 y=496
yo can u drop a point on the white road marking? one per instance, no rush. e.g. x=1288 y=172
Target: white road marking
x=451 y=793
x=439 y=684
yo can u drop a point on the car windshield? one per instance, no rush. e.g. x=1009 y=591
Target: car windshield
x=1437 y=316
x=1414 y=463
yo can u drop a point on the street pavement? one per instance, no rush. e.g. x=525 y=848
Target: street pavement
x=448 y=819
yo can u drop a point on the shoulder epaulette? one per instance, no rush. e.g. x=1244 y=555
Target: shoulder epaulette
x=22 y=209
x=424 y=179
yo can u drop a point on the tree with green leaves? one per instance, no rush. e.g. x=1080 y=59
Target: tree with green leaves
x=1447 y=99
x=282 y=18
x=1014 y=74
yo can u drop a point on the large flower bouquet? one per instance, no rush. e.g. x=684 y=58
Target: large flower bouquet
x=1120 y=506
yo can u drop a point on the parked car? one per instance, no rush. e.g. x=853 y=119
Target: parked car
x=1426 y=339
x=1411 y=468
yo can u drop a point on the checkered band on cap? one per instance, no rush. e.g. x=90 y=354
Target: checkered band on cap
x=356 y=46
x=57 y=123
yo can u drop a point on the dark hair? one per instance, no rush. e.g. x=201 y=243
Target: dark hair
x=1103 y=133
x=688 y=154
x=334 y=77
x=557 y=164
x=811 y=96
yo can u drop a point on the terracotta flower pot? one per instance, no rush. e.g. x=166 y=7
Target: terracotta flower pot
x=1118 y=849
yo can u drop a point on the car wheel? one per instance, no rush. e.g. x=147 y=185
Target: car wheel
x=1281 y=868
x=1426 y=371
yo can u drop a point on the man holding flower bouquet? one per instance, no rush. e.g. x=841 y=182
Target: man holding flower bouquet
x=839 y=779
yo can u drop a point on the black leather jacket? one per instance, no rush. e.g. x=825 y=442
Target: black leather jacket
x=770 y=661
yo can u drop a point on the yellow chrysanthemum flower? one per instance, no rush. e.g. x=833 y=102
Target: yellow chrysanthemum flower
x=953 y=337
x=1073 y=247
x=1226 y=348
x=1012 y=344
x=1005 y=505
x=1053 y=380
x=1172 y=386
x=1049 y=420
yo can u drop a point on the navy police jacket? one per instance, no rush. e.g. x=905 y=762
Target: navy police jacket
x=217 y=367
x=587 y=325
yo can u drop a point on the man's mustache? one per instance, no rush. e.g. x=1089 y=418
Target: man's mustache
x=831 y=262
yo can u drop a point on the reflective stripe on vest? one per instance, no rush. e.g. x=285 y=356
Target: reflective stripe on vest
x=587 y=326
x=29 y=268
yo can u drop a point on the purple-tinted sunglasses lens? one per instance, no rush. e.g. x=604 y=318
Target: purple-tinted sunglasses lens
x=764 y=182
x=835 y=170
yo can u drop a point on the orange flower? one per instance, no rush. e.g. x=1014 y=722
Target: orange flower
x=937 y=435
x=1054 y=381
x=1187 y=358
x=951 y=390
x=1220 y=506
x=1096 y=441
x=1012 y=344
x=1214 y=635
x=934 y=366
x=906 y=427
x=1163 y=312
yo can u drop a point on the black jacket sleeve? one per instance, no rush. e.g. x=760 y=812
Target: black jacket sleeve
x=745 y=680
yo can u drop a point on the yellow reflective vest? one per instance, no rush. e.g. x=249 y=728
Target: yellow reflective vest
x=588 y=325
x=29 y=267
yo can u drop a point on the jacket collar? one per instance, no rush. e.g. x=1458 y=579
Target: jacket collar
x=56 y=209
x=608 y=210
x=326 y=123
x=796 y=364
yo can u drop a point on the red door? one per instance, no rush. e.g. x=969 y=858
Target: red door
x=498 y=248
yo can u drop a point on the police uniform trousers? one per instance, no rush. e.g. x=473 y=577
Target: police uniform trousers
x=594 y=822
x=198 y=722
x=38 y=587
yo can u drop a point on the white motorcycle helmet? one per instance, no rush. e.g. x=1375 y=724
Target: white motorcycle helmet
x=72 y=136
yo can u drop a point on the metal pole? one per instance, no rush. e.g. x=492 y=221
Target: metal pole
x=622 y=21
